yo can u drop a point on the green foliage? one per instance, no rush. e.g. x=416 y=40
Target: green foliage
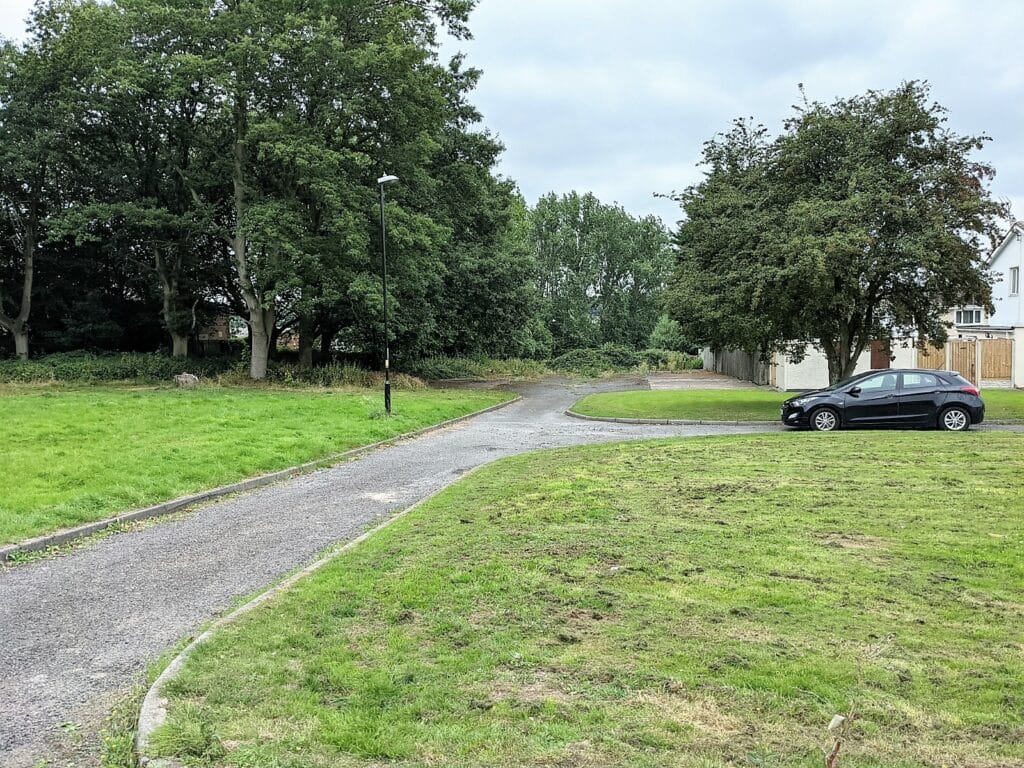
x=613 y=358
x=866 y=218
x=90 y=368
x=442 y=368
x=668 y=335
x=601 y=271
x=695 y=603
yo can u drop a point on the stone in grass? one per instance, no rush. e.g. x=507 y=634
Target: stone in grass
x=186 y=381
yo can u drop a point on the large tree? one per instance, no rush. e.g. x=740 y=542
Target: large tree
x=866 y=218
x=601 y=271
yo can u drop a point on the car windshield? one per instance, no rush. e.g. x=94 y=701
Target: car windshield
x=844 y=383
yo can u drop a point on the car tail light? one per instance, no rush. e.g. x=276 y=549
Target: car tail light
x=970 y=391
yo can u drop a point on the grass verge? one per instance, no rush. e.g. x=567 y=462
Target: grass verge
x=72 y=456
x=684 y=603
x=741 y=404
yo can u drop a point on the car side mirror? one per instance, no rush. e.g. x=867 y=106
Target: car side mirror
x=853 y=391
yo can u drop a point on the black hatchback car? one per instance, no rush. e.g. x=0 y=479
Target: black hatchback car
x=890 y=398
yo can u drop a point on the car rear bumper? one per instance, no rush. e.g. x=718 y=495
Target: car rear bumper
x=978 y=414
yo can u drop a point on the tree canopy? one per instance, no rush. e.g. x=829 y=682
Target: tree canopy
x=865 y=218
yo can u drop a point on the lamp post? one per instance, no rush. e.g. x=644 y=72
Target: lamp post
x=384 y=273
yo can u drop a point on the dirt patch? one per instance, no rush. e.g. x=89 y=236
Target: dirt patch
x=854 y=541
x=702 y=714
x=541 y=688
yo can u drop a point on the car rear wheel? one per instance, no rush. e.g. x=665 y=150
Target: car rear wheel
x=955 y=419
x=825 y=420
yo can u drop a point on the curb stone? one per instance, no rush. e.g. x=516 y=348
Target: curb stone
x=176 y=505
x=153 y=712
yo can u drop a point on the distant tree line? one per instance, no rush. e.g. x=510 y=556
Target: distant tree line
x=163 y=162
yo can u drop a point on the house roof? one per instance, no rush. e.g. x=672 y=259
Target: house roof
x=1016 y=230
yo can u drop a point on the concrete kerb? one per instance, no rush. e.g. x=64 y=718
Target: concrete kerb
x=175 y=505
x=153 y=712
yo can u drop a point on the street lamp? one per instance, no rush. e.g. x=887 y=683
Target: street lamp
x=384 y=272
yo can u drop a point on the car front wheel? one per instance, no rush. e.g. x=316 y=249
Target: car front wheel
x=825 y=420
x=955 y=420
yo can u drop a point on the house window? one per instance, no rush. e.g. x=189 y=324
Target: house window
x=968 y=316
x=1014 y=281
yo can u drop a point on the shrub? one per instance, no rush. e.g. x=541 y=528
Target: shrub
x=668 y=335
x=615 y=359
x=89 y=368
x=332 y=375
x=441 y=368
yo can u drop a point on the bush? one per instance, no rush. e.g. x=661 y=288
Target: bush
x=336 y=375
x=89 y=368
x=668 y=335
x=441 y=368
x=615 y=359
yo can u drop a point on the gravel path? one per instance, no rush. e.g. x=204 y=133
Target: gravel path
x=78 y=630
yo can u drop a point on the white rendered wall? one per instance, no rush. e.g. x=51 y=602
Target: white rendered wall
x=812 y=371
x=904 y=354
x=1009 y=309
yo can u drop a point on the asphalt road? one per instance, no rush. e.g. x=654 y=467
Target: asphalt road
x=78 y=630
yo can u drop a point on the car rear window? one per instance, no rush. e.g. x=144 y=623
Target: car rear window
x=958 y=379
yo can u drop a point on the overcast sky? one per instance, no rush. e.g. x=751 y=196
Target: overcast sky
x=617 y=97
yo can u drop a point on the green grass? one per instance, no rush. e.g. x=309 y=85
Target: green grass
x=74 y=456
x=699 y=603
x=741 y=404
x=686 y=404
x=1004 y=404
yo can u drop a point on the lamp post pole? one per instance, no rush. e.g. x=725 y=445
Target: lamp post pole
x=384 y=274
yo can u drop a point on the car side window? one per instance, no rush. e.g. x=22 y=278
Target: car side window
x=919 y=381
x=874 y=385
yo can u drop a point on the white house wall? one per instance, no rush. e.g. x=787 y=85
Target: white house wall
x=812 y=371
x=1009 y=309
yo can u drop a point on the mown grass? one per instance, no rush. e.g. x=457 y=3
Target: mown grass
x=686 y=404
x=704 y=603
x=741 y=404
x=71 y=456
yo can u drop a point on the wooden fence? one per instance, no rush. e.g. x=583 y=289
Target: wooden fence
x=738 y=364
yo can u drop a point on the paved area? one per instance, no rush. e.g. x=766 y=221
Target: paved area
x=78 y=629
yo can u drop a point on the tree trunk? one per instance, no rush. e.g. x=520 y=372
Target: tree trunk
x=21 y=344
x=326 y=340
x=17 y=325
x=305 y=343
x=179 y=345
x=260 y=323
x=842 y=355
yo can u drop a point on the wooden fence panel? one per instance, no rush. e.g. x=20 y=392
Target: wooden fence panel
x=997 y=358
x=963 y=358
x=932 y=358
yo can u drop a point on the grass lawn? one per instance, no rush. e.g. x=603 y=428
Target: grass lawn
x=73 y=456
x=700 y=603
x=740 y=404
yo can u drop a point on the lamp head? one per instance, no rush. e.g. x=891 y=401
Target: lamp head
x=387 y=179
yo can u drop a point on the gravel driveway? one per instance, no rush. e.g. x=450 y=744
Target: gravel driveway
x=78 y=630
